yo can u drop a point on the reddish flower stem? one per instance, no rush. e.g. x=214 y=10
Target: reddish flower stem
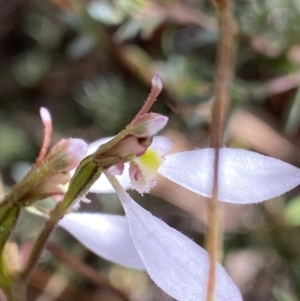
x=223 y=78
x=156 y=88
x=46 y=119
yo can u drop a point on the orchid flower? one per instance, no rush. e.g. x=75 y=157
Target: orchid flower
x=246 y=177
x=158 y=148
x=142 y=241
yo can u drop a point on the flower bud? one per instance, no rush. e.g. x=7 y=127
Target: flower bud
x=147 y=125
x=131 y=146
x=68 y=153
x=126 y=149
x=132 y=142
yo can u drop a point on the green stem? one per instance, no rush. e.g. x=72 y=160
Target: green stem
x=37 y=176
x=85 y=176
x=41 y=241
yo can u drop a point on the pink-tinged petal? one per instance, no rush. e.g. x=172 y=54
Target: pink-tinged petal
x=71 y=151
x=173 y=261
x=116 y=169
x=105 y=235
x=143 y=170
x=244 y=176
x=148 y=125
x=141 y=182
x=102 y=185
x=77 y=151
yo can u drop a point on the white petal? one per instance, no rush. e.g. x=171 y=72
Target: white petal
x=244 y=176
x=102 y=185
x=162 y=144
x=174 y=262
x=105 y=235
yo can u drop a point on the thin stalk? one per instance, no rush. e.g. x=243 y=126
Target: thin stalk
x=41 y=241
x=223 y=78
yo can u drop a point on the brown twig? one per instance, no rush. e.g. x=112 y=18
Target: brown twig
x=224 y=70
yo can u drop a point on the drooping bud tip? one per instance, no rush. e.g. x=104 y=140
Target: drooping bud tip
x=45 y=115
x=46 y=119
x=157 y=82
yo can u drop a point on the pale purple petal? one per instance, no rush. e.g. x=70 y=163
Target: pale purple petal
x=173 y=261
x=244 y=176
x=102 y=185
x=105 y=235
